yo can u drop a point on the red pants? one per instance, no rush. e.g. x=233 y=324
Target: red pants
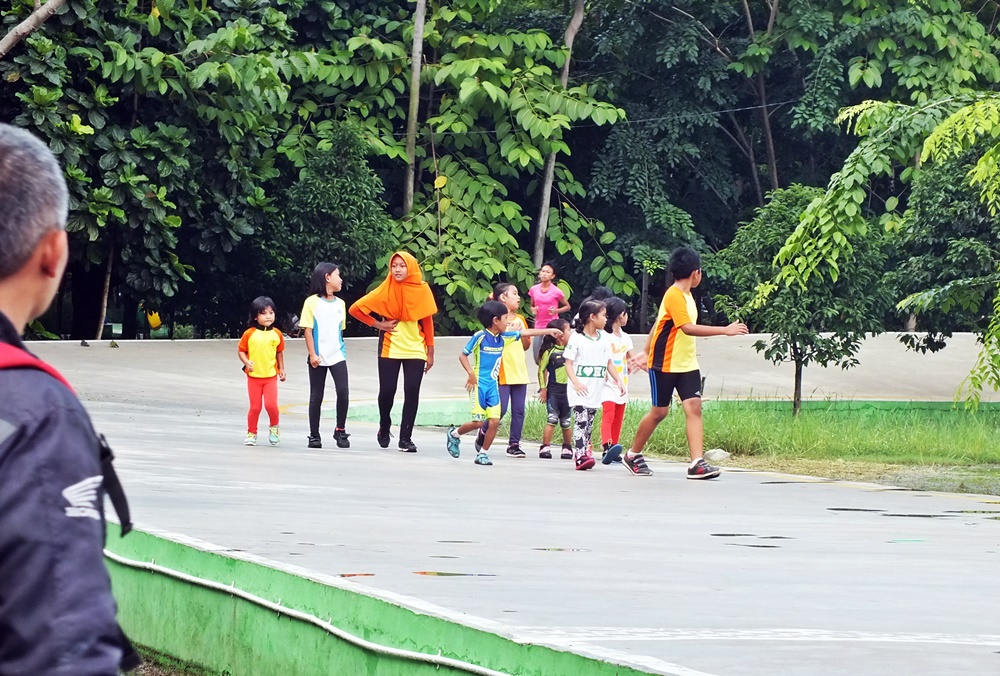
x=611 y=422
x=266 y=389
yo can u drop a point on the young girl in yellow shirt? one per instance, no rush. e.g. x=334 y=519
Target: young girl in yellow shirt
x=261 y=350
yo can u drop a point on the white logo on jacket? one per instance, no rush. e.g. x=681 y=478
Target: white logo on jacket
x=82 y=497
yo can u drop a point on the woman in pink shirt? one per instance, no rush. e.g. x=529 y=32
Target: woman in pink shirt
x=547 y=302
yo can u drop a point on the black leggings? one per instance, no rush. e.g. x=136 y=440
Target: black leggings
x=388 y=379
x=317 y=386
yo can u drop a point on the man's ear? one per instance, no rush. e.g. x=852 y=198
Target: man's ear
x=53 y=251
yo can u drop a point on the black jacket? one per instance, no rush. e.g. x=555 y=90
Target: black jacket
x=57 y=614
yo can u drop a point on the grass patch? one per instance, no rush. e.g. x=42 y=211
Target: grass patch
x=888 y=435
x=155 y=663
x=925 y=447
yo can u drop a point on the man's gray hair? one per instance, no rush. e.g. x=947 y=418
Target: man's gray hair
x=33 y=197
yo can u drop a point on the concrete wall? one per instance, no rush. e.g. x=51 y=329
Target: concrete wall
x=233 y=636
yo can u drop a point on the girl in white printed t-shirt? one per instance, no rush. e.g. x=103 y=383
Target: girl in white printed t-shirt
x=588 y=365
x=324 y=317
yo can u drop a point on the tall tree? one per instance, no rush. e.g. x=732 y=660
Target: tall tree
x=822 y=324
x=416 y=64
x=891 y=135
x=542 y=224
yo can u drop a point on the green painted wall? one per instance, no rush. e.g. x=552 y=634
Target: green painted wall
x=233 y=636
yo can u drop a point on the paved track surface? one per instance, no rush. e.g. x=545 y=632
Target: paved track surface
x=755 y=573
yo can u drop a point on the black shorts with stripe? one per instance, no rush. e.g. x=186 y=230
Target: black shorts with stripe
x=662 y=386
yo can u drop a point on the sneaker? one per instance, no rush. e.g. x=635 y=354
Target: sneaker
x=637 y=465
x=407 y=446
x=480 y=440
x=702 y=470
x=315 y=442
x=585 y=462
x=455 y=444
x=251 y=439
x=483 y=459
x=613 y=453
x=383 y=437
x=514 y=451
x=340 y=436
x=273 y=435
x=567 y=453
x=545 y=452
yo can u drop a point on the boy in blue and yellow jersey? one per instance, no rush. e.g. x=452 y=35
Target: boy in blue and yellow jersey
x=673 y=365
x=486 y=350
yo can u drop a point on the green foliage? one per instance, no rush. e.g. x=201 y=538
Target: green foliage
x=37 y=331
x=947 y=250
x=465 y=237
x=891 y=134
x=821 y=323
x=649 y=260
x=967 y=127
x=914 y=52
x=663 y=177
x=942 y=130
x=183 y=127
x=334 y=210
x=164 y=133
x=497 y=110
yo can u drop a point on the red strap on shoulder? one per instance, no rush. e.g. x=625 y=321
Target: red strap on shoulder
x=13 y=358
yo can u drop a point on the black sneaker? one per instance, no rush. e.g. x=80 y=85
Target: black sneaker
x=340 y=436
x=383 y=437
x=514 y=451
x=613 y=453
x=315 y=442
x=407 y=446
x=480 y=440
x=702 y=470
x=637 y=464
x=567 y=453
x=545 y=452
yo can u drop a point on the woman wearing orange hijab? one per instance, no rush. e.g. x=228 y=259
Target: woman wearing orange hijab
x=406 y=308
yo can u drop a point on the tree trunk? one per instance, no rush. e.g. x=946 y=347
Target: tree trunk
x=644 y=304
x=751 y=156
x=797 y=396
x=105 y=290
x=60 y=298
x=416 y=60
x=765 y=117
x=28 y=26
x=550 y=163
x=428 y=114
x=761 y=92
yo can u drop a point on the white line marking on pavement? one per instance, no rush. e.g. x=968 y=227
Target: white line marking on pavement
x=571 y=635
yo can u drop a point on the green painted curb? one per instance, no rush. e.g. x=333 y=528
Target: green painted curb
x=230 y=635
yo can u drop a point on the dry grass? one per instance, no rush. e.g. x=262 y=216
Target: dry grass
x=975 y=479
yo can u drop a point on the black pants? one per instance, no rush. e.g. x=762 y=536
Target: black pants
x=317 y=386
x=388 y=379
